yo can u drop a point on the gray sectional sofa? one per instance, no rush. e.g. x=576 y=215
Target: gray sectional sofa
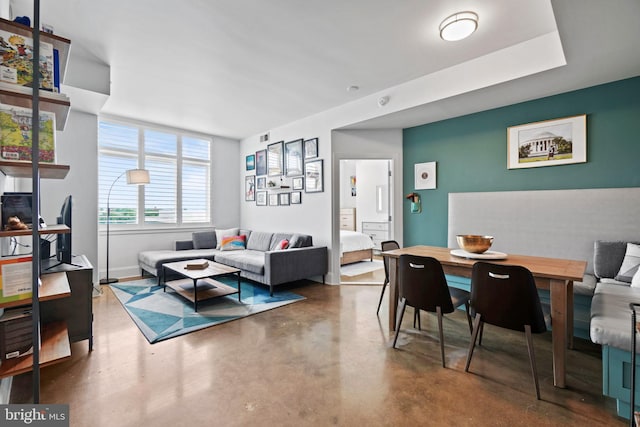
x=261 y=260
x=611 y=321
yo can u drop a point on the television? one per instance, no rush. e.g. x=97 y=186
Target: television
x=63 y=241
x=17 y=204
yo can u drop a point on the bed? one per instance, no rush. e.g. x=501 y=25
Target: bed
x=354 y=247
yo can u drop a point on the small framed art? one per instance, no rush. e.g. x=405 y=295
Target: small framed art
x=274 y=159
x=250 y=162
x=250 y=188
x=261 y=198
x=261 y=162
x=273 y=200
x=284 y=199
x=313 y=176
x=261 y=183
x=293 y=160
x=298 y=183
x=311 y=148
x=296 y=197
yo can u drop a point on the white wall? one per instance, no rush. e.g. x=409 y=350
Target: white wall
x=347 y=170
x=318 y=215
x=370 y=174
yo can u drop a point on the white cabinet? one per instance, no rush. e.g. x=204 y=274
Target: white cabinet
x=348 y=219
x=379 y=232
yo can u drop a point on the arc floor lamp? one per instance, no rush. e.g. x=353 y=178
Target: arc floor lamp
x=134 y=177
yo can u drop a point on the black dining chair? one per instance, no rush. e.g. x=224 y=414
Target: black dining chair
x=387 y=245
x=506 y=296
x=423 y=286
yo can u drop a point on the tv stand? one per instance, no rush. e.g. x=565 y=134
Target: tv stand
x=62 y=263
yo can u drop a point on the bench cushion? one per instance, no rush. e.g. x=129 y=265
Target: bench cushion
x=611 y=315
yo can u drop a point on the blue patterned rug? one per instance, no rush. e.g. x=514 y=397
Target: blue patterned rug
x=163 y=315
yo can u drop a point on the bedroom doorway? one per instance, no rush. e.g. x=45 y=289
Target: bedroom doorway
x=365 y=218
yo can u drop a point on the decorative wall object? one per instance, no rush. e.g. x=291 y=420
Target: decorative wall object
x=273 y=199
x=250 y=188
x=261 y=198
x=274 y=158
x=296 y=198
x=313 y=176
x=293 y=161
x=250 y=162
x=283 y=199
x=416 y=202
x=352 y=181
x=261 y=162
x=311 y=148
x=547 y=143
x=425 y=176
x=298 y=183
x=261 y=183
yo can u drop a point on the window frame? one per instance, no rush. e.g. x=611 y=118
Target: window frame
x=140 y=155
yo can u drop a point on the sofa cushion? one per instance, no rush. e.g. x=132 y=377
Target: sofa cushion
x=221 y=234
x=204 y=239
x=630 y=263
x=233 y=243
x=300 y=241
x=245 y=232
x=249 y=260
x=259 y=241
x=277 y=238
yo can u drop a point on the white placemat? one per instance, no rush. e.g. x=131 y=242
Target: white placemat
x=485 y=255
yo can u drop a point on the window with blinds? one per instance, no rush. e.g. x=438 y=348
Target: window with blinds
x=179 y=168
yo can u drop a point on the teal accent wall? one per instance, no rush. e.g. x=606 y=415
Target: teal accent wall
x=471 y=153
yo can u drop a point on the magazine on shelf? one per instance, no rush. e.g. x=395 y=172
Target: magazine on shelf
x=16 y=61
x=15 y=279
x=16 y=137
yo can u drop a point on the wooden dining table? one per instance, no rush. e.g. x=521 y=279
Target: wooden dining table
x=553 y=274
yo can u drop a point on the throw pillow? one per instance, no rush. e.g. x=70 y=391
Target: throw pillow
x=233 y=243
x=221 y=234
x=630 y=263
x=282 y=244
x=635 y=281
x=203 y=239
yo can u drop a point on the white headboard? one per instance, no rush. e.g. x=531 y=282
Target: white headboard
x=553 y=223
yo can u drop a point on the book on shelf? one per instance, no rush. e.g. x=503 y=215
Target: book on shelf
x=15 y=279
x=16 y=134
x=197 y=265
x=16 y=66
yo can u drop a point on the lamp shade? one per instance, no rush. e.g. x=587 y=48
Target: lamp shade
x=458 y=26
x=138 y=176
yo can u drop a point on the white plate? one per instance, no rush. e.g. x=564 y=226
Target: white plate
x=485 y=255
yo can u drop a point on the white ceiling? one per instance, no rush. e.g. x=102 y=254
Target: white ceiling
x=238 y=68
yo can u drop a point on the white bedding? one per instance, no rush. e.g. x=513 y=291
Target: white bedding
x=354 y=241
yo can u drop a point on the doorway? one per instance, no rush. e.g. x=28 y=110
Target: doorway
x=365 y=218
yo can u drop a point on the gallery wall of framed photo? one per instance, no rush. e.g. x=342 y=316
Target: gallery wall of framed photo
x=280 y=173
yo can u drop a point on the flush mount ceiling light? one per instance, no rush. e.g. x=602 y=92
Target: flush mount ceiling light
x=458 y=26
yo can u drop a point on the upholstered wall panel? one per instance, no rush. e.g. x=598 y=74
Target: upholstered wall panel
x=553 y=223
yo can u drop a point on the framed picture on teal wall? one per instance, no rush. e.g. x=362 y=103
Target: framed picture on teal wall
x=547 y=143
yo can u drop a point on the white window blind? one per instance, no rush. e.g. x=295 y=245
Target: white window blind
x=179 y=167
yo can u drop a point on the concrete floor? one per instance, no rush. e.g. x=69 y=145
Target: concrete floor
x=323 y=361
